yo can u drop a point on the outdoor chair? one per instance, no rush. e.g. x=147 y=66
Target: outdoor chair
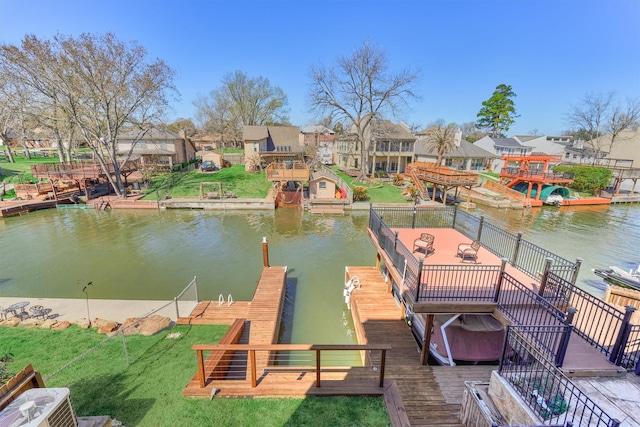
x=425 y=242
x=469 y=252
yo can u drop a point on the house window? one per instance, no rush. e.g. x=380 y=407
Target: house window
x=448 y=162
x=322 y=185
x=255 y=147
x=263 y=146
x=163 y=145
x=477 y=163
x=141 y=144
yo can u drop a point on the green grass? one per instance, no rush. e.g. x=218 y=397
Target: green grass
x=20 y=171
x=187 y=184
x=149 y=391
x=380 y=192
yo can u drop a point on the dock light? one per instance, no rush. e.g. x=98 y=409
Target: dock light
x=86 y=293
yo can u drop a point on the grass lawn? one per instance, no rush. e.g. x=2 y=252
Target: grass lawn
x=20 y=171
x=149 y=391
x=187 y=184
x=380 y=192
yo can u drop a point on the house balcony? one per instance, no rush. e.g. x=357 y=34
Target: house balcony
x=443 y=175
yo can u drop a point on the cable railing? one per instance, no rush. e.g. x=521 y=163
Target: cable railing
x=242 y=362
x=544 y=388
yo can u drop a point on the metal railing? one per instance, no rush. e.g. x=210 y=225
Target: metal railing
x=523 y=255
x=524 y=307
x=544 y=388
x=629 y=357
x=458 y=282
x=601 y=324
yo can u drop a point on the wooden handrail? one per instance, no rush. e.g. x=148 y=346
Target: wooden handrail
x=318 y=348
x=290 y=347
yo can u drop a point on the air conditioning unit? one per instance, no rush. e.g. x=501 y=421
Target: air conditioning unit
x=40 y=407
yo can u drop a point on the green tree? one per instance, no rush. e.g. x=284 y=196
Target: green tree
x=498 y=113
x=589 y=179
x=441 y=139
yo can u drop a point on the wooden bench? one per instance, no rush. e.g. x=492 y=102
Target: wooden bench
x=218 y=361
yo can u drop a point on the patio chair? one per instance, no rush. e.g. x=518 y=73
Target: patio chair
x=469 y=252
x=425 y=242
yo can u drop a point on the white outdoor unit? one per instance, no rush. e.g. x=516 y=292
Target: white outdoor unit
x=40 y=407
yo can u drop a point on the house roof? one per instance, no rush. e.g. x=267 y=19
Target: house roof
x=465 y=150
x=317 y=128
x=525 y=138
x=506 y=142
x=153 y=133
x=386 y=129
x=284 y=135
x=255 y=133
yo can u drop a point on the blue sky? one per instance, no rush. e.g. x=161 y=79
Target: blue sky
x=551 y=52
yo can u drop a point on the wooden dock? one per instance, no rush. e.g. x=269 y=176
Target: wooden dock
x=378 y=319
x=21 y=207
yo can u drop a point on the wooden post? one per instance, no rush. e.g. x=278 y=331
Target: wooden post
x=252 y=362
x=479 y=235
x=200 y=368
x=265 y=252
x=318 y=368
x=426 y=340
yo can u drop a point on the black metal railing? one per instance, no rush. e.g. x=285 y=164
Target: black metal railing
x=551 y=341
x=523 y=255
x=544 y=388
x=598 y=322
x=458 y=282
x=525 y=307
x=629 y=358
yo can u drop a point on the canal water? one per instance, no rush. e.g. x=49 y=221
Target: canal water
x=155 y=254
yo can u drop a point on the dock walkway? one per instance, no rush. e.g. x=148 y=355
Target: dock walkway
x=378 y=319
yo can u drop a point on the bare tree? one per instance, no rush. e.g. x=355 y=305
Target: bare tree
x=360 y=88
x=441 y=139
x=589 y=118
x=102 y=85
x=8 y=113
x=622 y=118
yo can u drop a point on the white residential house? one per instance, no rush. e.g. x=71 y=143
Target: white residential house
x=503 y=146
x=465 y=156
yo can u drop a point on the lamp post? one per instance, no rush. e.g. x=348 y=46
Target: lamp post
x=86 y=293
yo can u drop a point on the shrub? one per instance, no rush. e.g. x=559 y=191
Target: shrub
x=360 y=193
x=398 y=180
x=590 y=179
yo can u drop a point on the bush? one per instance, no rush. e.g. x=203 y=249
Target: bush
x=398 y=180
x=590 y=179
x=360 y=193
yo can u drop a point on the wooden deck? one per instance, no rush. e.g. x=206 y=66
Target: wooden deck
x=582 y=359
x=430 y=395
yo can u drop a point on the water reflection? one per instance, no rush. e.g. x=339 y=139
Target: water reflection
x=600 y=235
x=154 y=254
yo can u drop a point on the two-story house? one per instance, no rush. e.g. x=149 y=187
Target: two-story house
x=390 y=147
x=266 y=144
x=156 y=148
x=321 y=138
x=503 y=146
